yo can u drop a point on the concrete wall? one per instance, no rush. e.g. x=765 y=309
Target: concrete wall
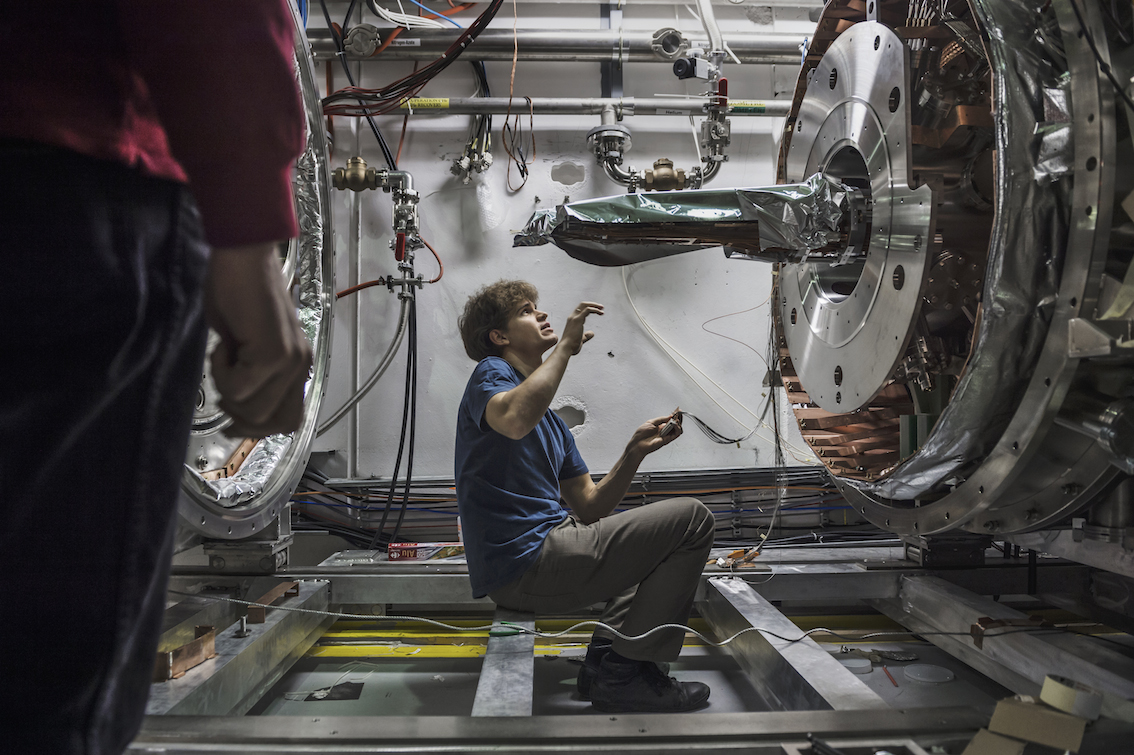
x=624 y=375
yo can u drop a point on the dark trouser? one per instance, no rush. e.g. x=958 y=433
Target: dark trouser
x=645 y=563
x=102 y=336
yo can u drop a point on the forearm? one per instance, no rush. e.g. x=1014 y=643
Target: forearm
x=611 y=489
x=524 y=406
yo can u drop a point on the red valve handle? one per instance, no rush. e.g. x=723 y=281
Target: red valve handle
x=400 y=247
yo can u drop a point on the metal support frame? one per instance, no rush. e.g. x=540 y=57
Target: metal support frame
x=245 y=667
x=506 y=679
x=789 y=675
x=1019 y=660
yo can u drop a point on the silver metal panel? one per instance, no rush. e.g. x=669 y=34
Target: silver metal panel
x=752 y=734
x=220 y=685
x=1109 y=556
x=1018 y=660
x=507 y=677
x=789 y=675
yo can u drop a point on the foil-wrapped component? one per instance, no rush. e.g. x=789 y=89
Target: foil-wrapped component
x=818 y=219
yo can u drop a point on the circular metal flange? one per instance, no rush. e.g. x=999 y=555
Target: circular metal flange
x=248 y=502
x=1037 y=474
x=847 y=326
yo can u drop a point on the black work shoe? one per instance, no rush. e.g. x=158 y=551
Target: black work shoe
x=590 y=668
x=642 y=687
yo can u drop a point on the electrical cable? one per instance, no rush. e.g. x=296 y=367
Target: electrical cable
x=368 y=102
x=413 y=427
x=509 y=627
x=1104 y=67
x=341 y=54
x=401 y=439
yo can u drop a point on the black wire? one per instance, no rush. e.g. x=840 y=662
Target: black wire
x=413 y=419
x=349 y=13
x=341 y=54
x=1104 y=67
x=401 y=441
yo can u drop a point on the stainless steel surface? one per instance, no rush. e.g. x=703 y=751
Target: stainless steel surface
x=790 y=675
x=623 y=106
x=243 y=665
x=1018 y=660
x=846 y=334
x=631 y=46
x=1113 y=557
x=244 y=504
x=698 y=732
x=506 y=679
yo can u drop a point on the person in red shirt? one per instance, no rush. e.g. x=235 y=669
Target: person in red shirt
x=134 y=137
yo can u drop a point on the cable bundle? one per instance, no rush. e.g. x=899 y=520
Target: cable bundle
x=356 y=101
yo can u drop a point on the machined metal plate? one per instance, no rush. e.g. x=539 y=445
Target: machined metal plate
x=847 y=326
x=234 y=488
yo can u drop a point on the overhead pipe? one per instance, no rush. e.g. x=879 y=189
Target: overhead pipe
x=622 y=106
x=597 y=45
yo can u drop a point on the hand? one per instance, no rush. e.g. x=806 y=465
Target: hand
x=261 y=364
x=573 y=334
x=648 y=438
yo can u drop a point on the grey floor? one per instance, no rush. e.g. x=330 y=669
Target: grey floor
x=447 y=686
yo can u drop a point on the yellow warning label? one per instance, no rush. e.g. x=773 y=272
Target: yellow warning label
x=747 y=106
x=425 y=103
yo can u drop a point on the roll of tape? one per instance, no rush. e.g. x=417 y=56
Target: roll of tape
x=1072 y=697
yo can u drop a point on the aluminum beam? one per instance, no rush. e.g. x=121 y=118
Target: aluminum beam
x=1111 y=557
x=789 y=675
x=702 y=733
x=623 y=106
x=1018 y=660
x=246 y=665
x=597 y=45
x=507 y=677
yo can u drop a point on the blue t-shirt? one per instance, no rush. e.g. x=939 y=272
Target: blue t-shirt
x=507 y=490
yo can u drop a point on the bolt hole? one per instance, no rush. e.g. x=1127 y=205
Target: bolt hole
x=895 y=99
x=946 y=516
x=794 y=316
x=1074 y=301
x=1091 y=118
x=834 y=78
x=1089 y=211
x=899 y=277
x=839 y=397
x=877 y=42
x=1015 y=445
x=981 y=490
x=870 y=11
x=839 y=375
x=1047 y=381
x=1092 y=163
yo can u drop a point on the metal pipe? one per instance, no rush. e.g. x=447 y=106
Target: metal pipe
x=627 y=106
x=709 y=20
x=596 y=45
x=383 y=363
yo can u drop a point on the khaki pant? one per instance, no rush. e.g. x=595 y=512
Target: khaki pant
x=645 y=563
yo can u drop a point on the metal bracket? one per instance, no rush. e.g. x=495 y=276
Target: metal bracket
x=985 y=623
x=1099 y=338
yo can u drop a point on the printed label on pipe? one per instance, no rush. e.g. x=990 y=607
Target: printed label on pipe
x=675 y=111
x=403 y=42
x=747 y=106
x=425 y=103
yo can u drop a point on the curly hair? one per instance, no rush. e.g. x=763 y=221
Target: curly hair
x=489 y=309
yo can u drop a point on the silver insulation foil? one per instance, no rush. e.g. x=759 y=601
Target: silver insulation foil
x=1026 y=252
x=252 y=479
x=775 y=223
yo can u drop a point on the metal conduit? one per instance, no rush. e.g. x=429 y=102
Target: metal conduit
x=624 y=106
x=590 y=45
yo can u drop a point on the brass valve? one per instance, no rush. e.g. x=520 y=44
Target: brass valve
x=355 y=176
x=663 y=177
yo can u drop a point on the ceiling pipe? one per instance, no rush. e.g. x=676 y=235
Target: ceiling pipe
x=598 y=45
x=621 y=107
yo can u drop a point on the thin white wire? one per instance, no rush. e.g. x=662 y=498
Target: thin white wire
x=347 y=671
x=668 y=347
x=520 y=629
x=405 y=19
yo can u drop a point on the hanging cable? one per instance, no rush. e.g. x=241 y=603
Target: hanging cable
x=341 y=53
x=355 y=101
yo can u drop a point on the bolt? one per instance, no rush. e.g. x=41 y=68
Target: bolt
x=216 y=562
x=1032 y=515
x=202 y=463
x=992 y=525
x=1072 y=488
x=243 y=631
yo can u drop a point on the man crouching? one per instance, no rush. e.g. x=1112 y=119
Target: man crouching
x=515 y=460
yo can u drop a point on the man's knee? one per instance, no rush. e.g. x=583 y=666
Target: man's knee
x=701 y=526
